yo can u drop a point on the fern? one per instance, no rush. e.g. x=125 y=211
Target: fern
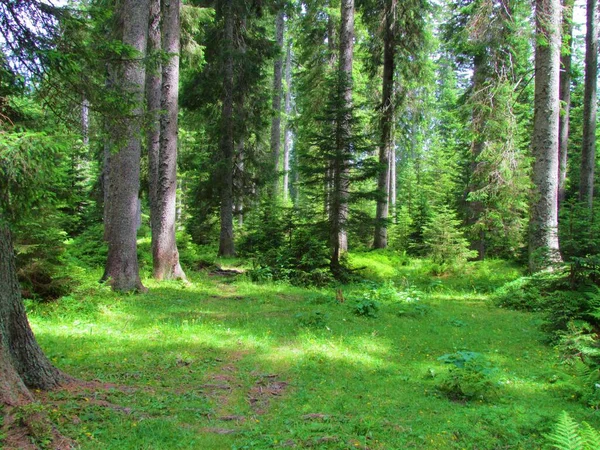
x=591 y=436
x=568 y=435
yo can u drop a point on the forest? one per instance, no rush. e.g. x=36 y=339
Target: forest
x=330 y=224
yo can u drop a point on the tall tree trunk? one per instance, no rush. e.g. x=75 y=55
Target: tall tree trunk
x=122 y=269
x=543 y=237
x=475 y=207
x=332 y=51
x=341 y=162
x=226 y=243
x=590 y=106
x=153 y=98
x=393 y=181
x=239 y=182
x=22 y=362
x=387 y=119
x=85 y=122
x=287 y=134
x=565 y=96
x=277 y=90
x=164 y=246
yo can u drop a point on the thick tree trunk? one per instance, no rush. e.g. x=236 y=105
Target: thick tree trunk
x=393 y=182
x=287 y=137
x=277 y=90
x=543 y=237
x=475 y=207
x=164 y=245
x=332 y=50
x=226 y=243
x=22 y=362
x=341 y=162
x=387 y=119
x=239 y=183
x=122 y=270
x=153 y=97
x=565 y=96
x=590 y=106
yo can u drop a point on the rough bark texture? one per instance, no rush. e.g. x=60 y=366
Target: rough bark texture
x=153 y=95
x=287 y=138
x=226 y=243
x=22 y=362
x=474 y=208
x=565 y=96
x=165 y=255
x=590 y=106
x=393 y=182
x=239 y=182
x=543 y=237
x=122 y=270
x=341 y=162
x=276 y=105
x=387 y=119
x=85 y=122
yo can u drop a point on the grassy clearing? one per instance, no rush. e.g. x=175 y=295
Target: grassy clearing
x=224 y=363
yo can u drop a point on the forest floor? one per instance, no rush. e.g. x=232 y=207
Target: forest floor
x=224 y=363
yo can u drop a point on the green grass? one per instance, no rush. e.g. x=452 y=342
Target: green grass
x=224 y=363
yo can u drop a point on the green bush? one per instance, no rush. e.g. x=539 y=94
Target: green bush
x=530 y=293
x=284 y=250
x=40 y=254
x=444 y=243
x=569 y=435
x=470 y=378
x=566 y=306
x=312 y=319
x=89 y=247
x=365 y=307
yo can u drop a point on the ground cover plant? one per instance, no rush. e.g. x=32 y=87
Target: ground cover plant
x=227 y=363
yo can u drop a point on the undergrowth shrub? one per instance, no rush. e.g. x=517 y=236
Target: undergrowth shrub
x=529 y=293
x=569 y=435
x=570 y=301
x=567 y=306
x=283 y=249
x=2 y=432
x=579 y=348
x=470 y=378
x=445 y=244
x=365 y=307
x=34 y=418
x=579 y=233
x=40 y=262
x=312 y=319
x=89 y=248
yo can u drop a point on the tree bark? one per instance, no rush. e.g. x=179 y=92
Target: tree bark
x=22 y=362
x=475 y=207
x=239 y=182
x=122 y=271
x=277 y=91
x=287 y=134
x=393 y=181
x=590 y=106
x=387 y=119
x=226 y=243
x=341 y=162
x=565 y=96
x=543 y=237
x=153 y=98
x=164 y=245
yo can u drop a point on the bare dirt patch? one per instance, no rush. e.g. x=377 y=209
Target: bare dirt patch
x=263 y=391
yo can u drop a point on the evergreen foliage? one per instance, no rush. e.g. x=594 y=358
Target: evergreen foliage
x=443 y=241
x=569 y=435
